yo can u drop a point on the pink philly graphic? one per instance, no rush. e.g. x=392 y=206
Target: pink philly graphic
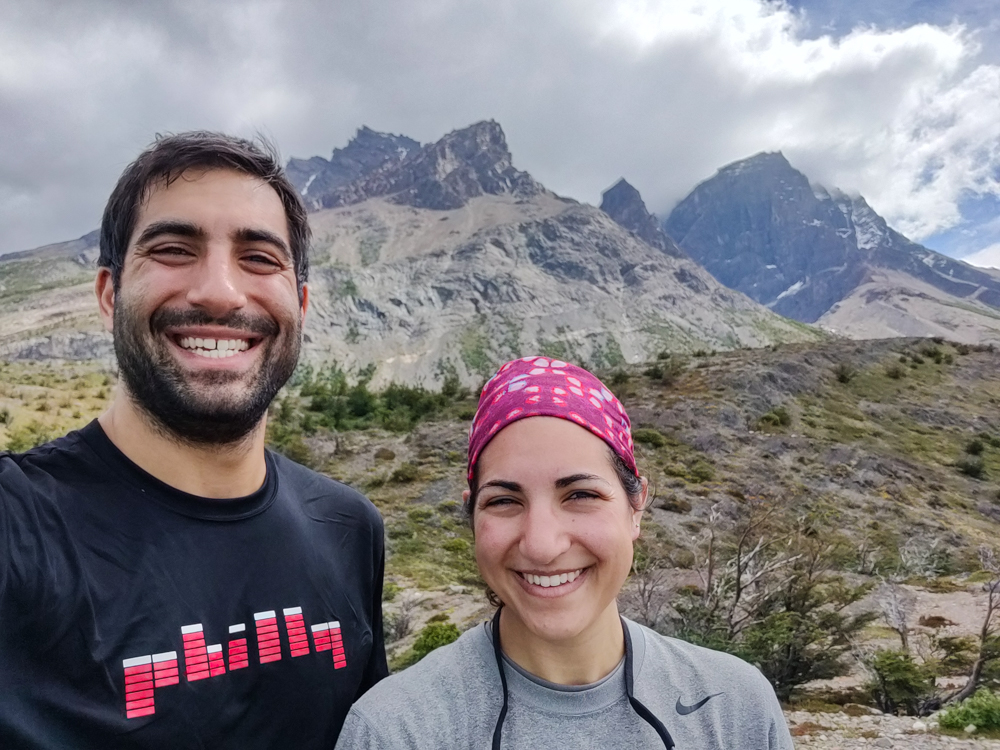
x=144 y=674
x=543 y=387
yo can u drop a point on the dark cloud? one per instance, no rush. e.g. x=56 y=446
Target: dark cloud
x=586 y=90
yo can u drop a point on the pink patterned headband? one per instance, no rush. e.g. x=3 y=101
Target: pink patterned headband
x=543 y=387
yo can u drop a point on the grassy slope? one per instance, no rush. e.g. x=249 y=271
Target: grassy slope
x=873 y=459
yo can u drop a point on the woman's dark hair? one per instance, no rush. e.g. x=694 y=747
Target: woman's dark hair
x=172 y=155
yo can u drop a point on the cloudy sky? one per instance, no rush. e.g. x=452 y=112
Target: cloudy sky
x=900 y=103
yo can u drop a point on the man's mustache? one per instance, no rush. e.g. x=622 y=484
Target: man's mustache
x=258 y=325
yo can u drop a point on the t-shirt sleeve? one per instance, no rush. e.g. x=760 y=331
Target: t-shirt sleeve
x=377 y=667
x=778 y=736
x=358 y=734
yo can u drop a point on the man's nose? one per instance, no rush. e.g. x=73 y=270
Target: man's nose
x=216 y=283
x=544 y=536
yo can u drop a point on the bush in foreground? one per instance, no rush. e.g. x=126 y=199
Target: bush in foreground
x=981 y=710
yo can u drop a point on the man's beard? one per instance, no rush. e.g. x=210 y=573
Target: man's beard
x=167 y=394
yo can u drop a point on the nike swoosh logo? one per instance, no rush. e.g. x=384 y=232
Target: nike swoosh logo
x=685 y=710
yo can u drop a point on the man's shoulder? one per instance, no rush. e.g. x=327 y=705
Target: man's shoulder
x=46 y=460
x=321 y=494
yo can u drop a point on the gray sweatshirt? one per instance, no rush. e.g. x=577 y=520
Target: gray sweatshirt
x=452 y=698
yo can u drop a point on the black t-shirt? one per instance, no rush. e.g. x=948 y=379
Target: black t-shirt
x=136 y=615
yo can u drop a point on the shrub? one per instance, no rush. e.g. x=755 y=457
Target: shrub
x=777 y=417
x=456 y=545
x=844 y=372
x=4 y=416
x=389 y=591
x=434 y=635
x=895 y=372
x=982 y=710
x=974 y=447
x=701 y=471
x=899 y=682
x=27 y=437
x=619 y=378
x=649 y=436
x=971 y=467
x=406 y=472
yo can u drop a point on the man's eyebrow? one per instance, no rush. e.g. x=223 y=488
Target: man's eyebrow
x=169 y=226
x=248 y=234
x=574 y=478
x=502 y=484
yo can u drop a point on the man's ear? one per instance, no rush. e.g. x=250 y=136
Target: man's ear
x=305 y=303
x=104 y=288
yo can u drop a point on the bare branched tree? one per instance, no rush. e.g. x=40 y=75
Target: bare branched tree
x=647 y=598
x=399 y=622
x=987 y=632
x=896 y=606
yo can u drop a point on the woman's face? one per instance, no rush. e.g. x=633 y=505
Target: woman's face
x=553 y=527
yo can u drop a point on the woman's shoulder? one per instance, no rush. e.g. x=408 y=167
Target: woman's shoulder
x=429 y=698
x=688 y=660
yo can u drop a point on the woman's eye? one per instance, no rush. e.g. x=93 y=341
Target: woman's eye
x=582 y=495
x=495 y=502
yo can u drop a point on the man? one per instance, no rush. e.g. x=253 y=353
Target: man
x=166 y=582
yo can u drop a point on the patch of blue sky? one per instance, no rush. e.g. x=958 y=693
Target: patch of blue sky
x=979 y=228
x=840 y=17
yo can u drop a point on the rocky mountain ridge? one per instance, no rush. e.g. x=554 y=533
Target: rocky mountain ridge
x=450 y=259
x=317 y=178
x=623 y=203
x=464 y=164
x=821 y=256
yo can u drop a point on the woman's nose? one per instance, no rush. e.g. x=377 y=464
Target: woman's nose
x=543 y=536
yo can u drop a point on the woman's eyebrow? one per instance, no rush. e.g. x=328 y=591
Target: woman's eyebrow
x=502 y=484
x=574 y=478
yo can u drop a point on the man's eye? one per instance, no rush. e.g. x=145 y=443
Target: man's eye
x=261 y=259
x=170 y=250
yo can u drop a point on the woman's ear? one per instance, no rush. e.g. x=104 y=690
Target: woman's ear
x=637 y=512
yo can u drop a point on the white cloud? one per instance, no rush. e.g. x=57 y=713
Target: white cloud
x=988 y=257
x=587 y=91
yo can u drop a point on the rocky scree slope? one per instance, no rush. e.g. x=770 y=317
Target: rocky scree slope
x=821 y=256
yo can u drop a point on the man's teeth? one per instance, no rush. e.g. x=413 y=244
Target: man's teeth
x=550 y=581
x=214 y=348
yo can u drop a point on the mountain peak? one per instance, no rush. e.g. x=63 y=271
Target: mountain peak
x=368 y=151
x=465 y=163
x=623 y=203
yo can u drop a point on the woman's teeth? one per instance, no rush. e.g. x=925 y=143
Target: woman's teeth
x=214 y=348
x=550 y=581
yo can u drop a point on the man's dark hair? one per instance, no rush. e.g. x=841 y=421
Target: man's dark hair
x=167 y=159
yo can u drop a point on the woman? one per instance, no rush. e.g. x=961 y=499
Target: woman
x=555 y=501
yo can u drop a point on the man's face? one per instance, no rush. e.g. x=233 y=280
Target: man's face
x=207 y=319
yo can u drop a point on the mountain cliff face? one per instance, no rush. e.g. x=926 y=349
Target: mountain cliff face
x=623 y=203
x=464 y=164
x=804 y=251
x=368 y=151
x=445 y=260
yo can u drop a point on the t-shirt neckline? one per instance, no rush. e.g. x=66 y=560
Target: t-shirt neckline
x=575 y=700
x=184 y=503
